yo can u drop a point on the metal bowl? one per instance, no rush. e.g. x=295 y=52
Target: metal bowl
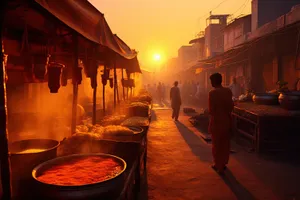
x=22 y=162
x=136 y=129
x=89 y=191
x=290 y=101
x=265 y=99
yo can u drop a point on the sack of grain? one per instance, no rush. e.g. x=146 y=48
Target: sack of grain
x=136 y=121
x=82 y=129
x=113 y=120
x=138 y=109
x=117 y=131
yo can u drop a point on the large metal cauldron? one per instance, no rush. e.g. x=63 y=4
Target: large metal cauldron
x=101 y=190
x=22 y=162
x=290 y=101
x=265 y=99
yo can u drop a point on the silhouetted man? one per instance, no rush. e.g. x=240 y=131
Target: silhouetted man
x=220 y=108
x=175 y=100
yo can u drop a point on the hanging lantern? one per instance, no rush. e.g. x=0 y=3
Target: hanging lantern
x=94 y=81
x=64 y=77
x=40 y=66
x=54 y=76
x=105 y=76
x=77 y=75
x=111 y=82
x=131 y=83
x=104 y=80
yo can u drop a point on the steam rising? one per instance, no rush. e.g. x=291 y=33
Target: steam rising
x=34 y=112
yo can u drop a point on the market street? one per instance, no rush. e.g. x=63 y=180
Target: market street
x=179 y=167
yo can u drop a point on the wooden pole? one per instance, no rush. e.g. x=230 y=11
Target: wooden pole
x=103 y=93
x=75 y=84
x=123 y=85
x=115 y=85
x=127 y=92
x=4 y=155
x=94 y=98
x=117 y=88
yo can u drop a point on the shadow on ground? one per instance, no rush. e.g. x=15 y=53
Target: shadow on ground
x=153 y=115
x=194 y=142
x=239 y=190
x=201 y=151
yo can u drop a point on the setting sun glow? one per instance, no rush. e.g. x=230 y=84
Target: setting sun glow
x=156 y=57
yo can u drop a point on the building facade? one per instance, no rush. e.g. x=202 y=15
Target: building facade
x=214 y=35
x=264 y=11
x=237 y=32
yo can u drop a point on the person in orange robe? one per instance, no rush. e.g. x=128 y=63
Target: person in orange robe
x=220 y=108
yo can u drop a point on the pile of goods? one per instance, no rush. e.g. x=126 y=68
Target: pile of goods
x=246 y=97
x=201 y=120
x=143 y=96
x=189 y=110
x=138 y=109
x=136 y=121
x=86 y=138
x=113 y=120
x=80 y=143
x=81 y=171
x=113 y=130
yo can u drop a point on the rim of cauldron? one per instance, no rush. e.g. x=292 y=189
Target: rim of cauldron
x=48 y=149
x=265 y=94
x=291 y=93
x=34 y=171
x=136 y=129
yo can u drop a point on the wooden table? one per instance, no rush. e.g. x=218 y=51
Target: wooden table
x=269 y=128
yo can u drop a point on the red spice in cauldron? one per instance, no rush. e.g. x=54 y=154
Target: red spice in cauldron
x=81 y=171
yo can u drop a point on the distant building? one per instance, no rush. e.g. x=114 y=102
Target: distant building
x=214 y=35
x=236 y=32
x=172 y=65
x=186 y=54
x=264 y=11
x=199 y=47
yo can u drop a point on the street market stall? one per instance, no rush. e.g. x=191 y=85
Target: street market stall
x=50 y=36
x=269 y=128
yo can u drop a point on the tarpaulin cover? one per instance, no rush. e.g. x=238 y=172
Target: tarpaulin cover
x=131 y=65
x=85 y=19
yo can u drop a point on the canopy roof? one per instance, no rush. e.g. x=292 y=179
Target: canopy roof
x=84 y=18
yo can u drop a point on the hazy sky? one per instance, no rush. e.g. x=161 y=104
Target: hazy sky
x=162 y=26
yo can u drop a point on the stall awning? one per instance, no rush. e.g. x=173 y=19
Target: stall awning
x=84 y=18
x=131 y=65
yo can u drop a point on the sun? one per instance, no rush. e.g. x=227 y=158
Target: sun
x=156 y=57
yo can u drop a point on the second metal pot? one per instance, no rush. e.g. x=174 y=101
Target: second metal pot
x=265 y=99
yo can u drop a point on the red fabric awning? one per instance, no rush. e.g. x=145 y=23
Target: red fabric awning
x=84 y=18
x=131 y=65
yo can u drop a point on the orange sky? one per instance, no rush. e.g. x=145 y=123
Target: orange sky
x=162 y=26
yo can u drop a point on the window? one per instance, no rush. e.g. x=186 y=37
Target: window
x=238 y=32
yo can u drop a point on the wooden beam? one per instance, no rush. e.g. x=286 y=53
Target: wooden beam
x=123 y=85
x=4 y=154
x=75 y=84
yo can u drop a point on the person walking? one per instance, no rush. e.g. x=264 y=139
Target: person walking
x=175 y=100
x=163 y=91
x=220 y=108
x=159 y=92
x=235 y=88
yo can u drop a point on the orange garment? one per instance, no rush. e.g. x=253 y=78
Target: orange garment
x=220 y=108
